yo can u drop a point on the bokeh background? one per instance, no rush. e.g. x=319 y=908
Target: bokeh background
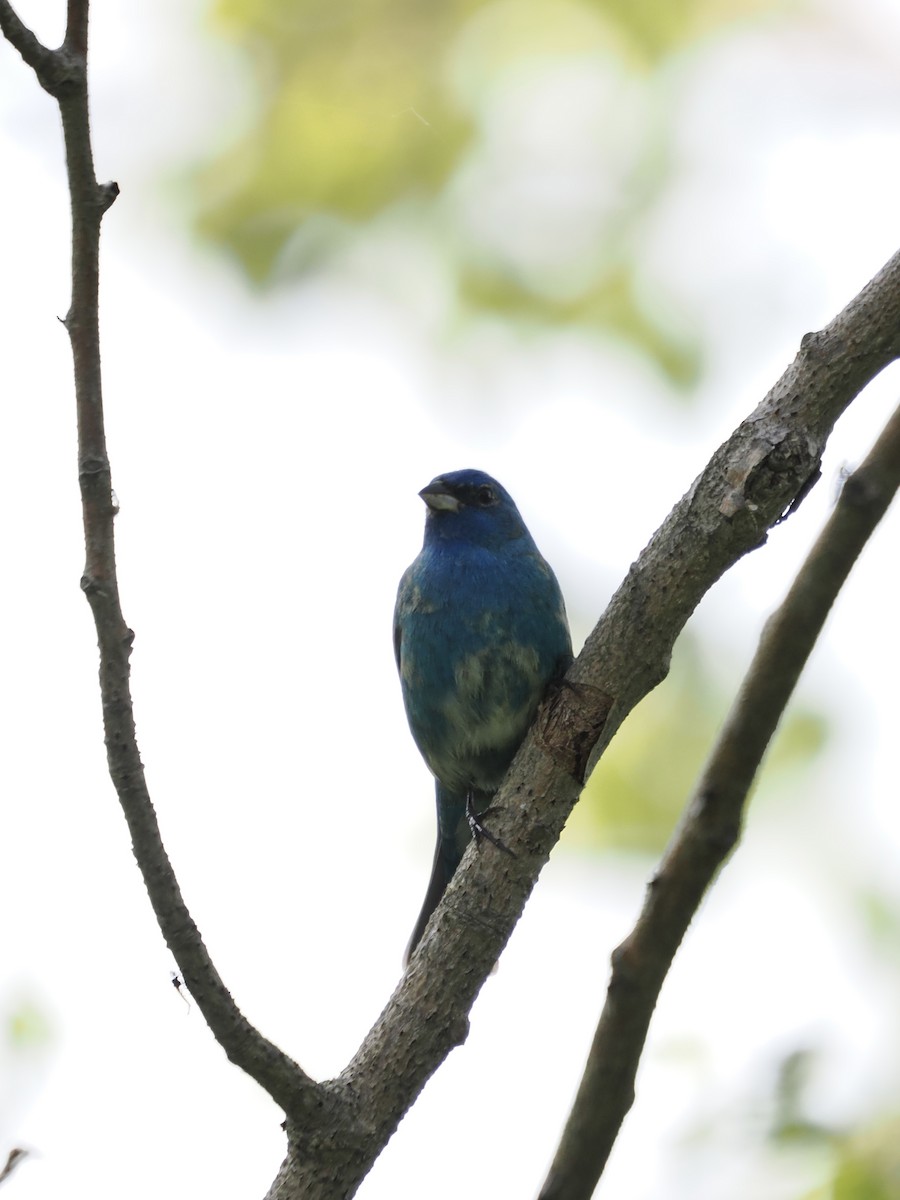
x=357 y=244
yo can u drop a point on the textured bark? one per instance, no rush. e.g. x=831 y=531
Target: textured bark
x=711 y=824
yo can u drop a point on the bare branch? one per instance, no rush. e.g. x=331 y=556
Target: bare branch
x=17 y=33
x=751 y=482
x=711 y=825
x=64 y=73
x=77 y=26
x=56 y=70
x=13 y=1160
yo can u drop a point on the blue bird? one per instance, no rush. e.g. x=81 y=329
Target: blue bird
x=480 y=630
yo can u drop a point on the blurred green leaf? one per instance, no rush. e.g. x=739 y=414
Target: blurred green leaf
x=656 y=28
x=800 y=738
x=637 y=792
x=610 y=304
x=367 y=104
x=790 y=1124
x=27 y=1026
x=880 y=913
x=353 y=112
x=869 y=1165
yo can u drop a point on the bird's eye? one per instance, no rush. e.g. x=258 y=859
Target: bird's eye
x=486 y=495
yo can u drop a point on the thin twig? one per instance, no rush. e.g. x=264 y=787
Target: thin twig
x=711 y=826
x=64 y=73
x=56 y=70
x=17 y=33
x=13 y=1160
x=77 y=26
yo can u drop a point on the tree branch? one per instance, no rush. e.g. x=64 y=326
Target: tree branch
x=64 y=73
x=77 y=26
x=711 y=824
x=17 y=33
x=751 y=483
x=56 y=70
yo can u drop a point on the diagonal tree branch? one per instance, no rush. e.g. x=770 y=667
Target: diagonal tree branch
x=751 y=483
x=13 y=1160
x=63 y=72
x=56 y=70
x=34 y=52
x=711 y=824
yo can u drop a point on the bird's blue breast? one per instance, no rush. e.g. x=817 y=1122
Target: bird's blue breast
x=481 y=633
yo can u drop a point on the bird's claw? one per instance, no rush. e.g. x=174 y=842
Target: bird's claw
x=479 y=830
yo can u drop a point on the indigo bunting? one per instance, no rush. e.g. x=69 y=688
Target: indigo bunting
x=480 y=630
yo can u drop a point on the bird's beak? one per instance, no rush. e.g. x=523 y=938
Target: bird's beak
x=438 y=498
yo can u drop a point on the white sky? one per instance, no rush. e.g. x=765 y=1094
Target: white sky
x=267 y=458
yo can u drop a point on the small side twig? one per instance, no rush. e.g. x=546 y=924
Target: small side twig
x=34 y=53
x=13 y=1159
x=711 y=825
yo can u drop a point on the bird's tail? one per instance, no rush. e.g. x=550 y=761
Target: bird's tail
x=453 y=837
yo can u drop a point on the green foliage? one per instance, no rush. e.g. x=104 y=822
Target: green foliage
x=656 y=29
x=868 y=1166
x=339 y=125
x=637 y=792
x=369 y=104
x=611 y=304
x=27 y=1027
x=881 y=918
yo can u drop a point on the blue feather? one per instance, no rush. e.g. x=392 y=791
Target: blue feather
x=480 y=630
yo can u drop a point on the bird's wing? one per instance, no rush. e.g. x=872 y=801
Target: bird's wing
x=398 y=634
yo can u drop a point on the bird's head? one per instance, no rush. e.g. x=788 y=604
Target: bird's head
x=471 y=506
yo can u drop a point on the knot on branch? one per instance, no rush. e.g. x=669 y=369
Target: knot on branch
x=861 y=490
x=715 y=820
x=106 y=195
x=626 y=968
x=91 y=586
x=569 y=725
x=92 y=465
x=770 y=474
x=815 y=345
x=61 y=72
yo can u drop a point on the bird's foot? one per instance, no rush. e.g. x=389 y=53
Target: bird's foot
x=479 y=831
